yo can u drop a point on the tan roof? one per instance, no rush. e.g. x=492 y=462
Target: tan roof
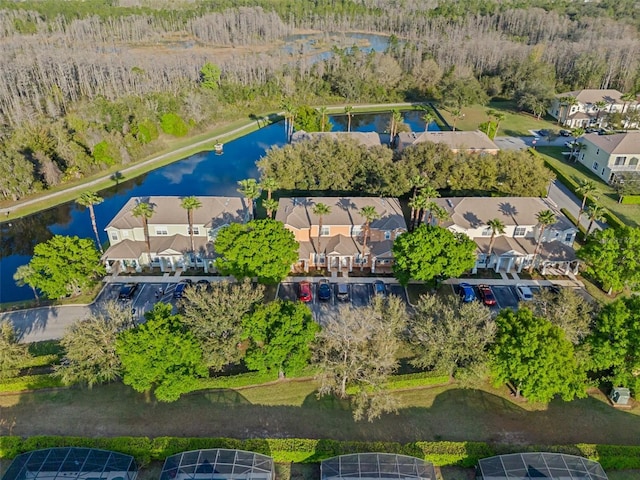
x=551 y=251
x=619 y=143
x=214 y=212
x=458 y=140
x=475 y=212
x=298 y=212
x=369 y=139
x=169 y=245
x=125 y=250
x=339 y=245
x=594 y=95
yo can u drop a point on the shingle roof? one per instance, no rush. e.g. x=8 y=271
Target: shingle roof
x=475 y=212
x=369 y=139
x=619 y=143
x=298 y=212
x=458 y=140
x=591 y=95
x=339 y=245
x=169 y=245
x=215 y=211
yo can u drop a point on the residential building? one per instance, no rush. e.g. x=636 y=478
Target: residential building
x=607 y=155
x=368 y=139
x=458 y=141
x=589 y=107
x=339 y=247
x=168 y=231
x=515 y=248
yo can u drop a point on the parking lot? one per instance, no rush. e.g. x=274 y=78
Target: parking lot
x=506 y=295
x=360 y=295
x=143 y=299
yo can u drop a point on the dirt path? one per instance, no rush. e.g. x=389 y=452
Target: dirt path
x=435 y=414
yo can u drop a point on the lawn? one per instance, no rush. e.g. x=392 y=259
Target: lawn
x=292 y=409
x=629 y=214
x=516 y=123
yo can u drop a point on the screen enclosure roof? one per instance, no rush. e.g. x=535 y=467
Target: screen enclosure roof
x=72 y=463
x=373 y=466
x=536 y=466
x=217 y=464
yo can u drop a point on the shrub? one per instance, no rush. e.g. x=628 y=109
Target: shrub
x=173 y=124
x=29 y=382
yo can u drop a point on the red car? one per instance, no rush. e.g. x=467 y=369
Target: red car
x=486 y=295
x=304 y=293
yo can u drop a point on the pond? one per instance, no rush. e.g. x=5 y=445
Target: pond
x=201 y=174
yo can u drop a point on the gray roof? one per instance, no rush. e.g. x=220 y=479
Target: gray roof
x=339 y=245
x=553 y=251
x=170 y=245
x=373 y=466
x=619 y=143
x=458 y=140
x=369 y=139
x=214 y=212
x=216 y=464
x=297 y=212
x=71 y=463
x=533 y=466
x=591 y=95
x=474 y=212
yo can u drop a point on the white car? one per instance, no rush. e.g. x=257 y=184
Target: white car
x=568 y=144
x=524 y=293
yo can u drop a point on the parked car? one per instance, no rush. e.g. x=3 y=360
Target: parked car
x=304 y=292
x=180 y=288
x=544 y=132
x=590 y=130
x=486 y=294
x=324 y=290
x=569 y=144
x=524 y=293
x=127 y=291
x=379 y=288
x=466 y=293
x=565 y=133
x=343 y=292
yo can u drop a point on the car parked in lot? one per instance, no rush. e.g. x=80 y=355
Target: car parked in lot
x=343 y=292
x=569 y=144
x=180 y=288
x=524 y=293
x=127 y=291
x=565 y=133
x=486 y=295
x=466 y=293
x=304 y=292
x=324 y=290
x=543 y=133
x=379 y=288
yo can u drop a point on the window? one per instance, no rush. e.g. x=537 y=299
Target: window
x=633 y=162
x=162 y=231
x=196 y=230
x=520 y=231
x=619 y=161
x=114 y=236
x=319 y=259
x=387 y=235
x=595 y=165
x=356 y=230
x=486 y=232
x=568 y=238
x=325 y=232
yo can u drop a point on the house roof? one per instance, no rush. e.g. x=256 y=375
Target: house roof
x=345 y=211
x=458 y=140
x=619 y=143
x=214 y=212
x=369 y=139
x=475 y=212
x=381 y=248
x=125 y=250
x=169 y=245
x=591 y=95
x=339 y=245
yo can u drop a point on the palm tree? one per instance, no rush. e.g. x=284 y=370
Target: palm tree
x=418 y=208
x=320 y=209
x=499 y=116
x=271 y=206
x=269 y=184
x=250 y=190
x=626 y=98
x=369 y=214
x=289 y=117
x=89 y=199
x=440 y=214
x=600 y=106
x=428 y=117
x=144 y=211
x=566 y=102
x=190 y=204
x=490 y=113
x=497 y=228
x=323 y=113
x=22 y=276
x=596 y=213
x=576 y=133
x=396 y=120
x=545 y=218
x=348 y=110
x=585 y=188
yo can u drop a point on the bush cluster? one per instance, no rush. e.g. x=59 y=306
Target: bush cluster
x=300 y=450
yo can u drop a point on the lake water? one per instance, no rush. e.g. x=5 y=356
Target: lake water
x=201 y=174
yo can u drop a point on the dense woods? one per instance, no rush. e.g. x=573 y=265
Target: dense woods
x=89 y=85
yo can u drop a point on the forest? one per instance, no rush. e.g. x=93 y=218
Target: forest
x=89 y=85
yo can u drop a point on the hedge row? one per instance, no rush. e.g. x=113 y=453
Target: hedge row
x=631 y=200
x=29 y=382
x=285 y=450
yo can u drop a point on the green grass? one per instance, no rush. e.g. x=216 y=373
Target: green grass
x=516 y=123
x=83 y=299
x=607 y=197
